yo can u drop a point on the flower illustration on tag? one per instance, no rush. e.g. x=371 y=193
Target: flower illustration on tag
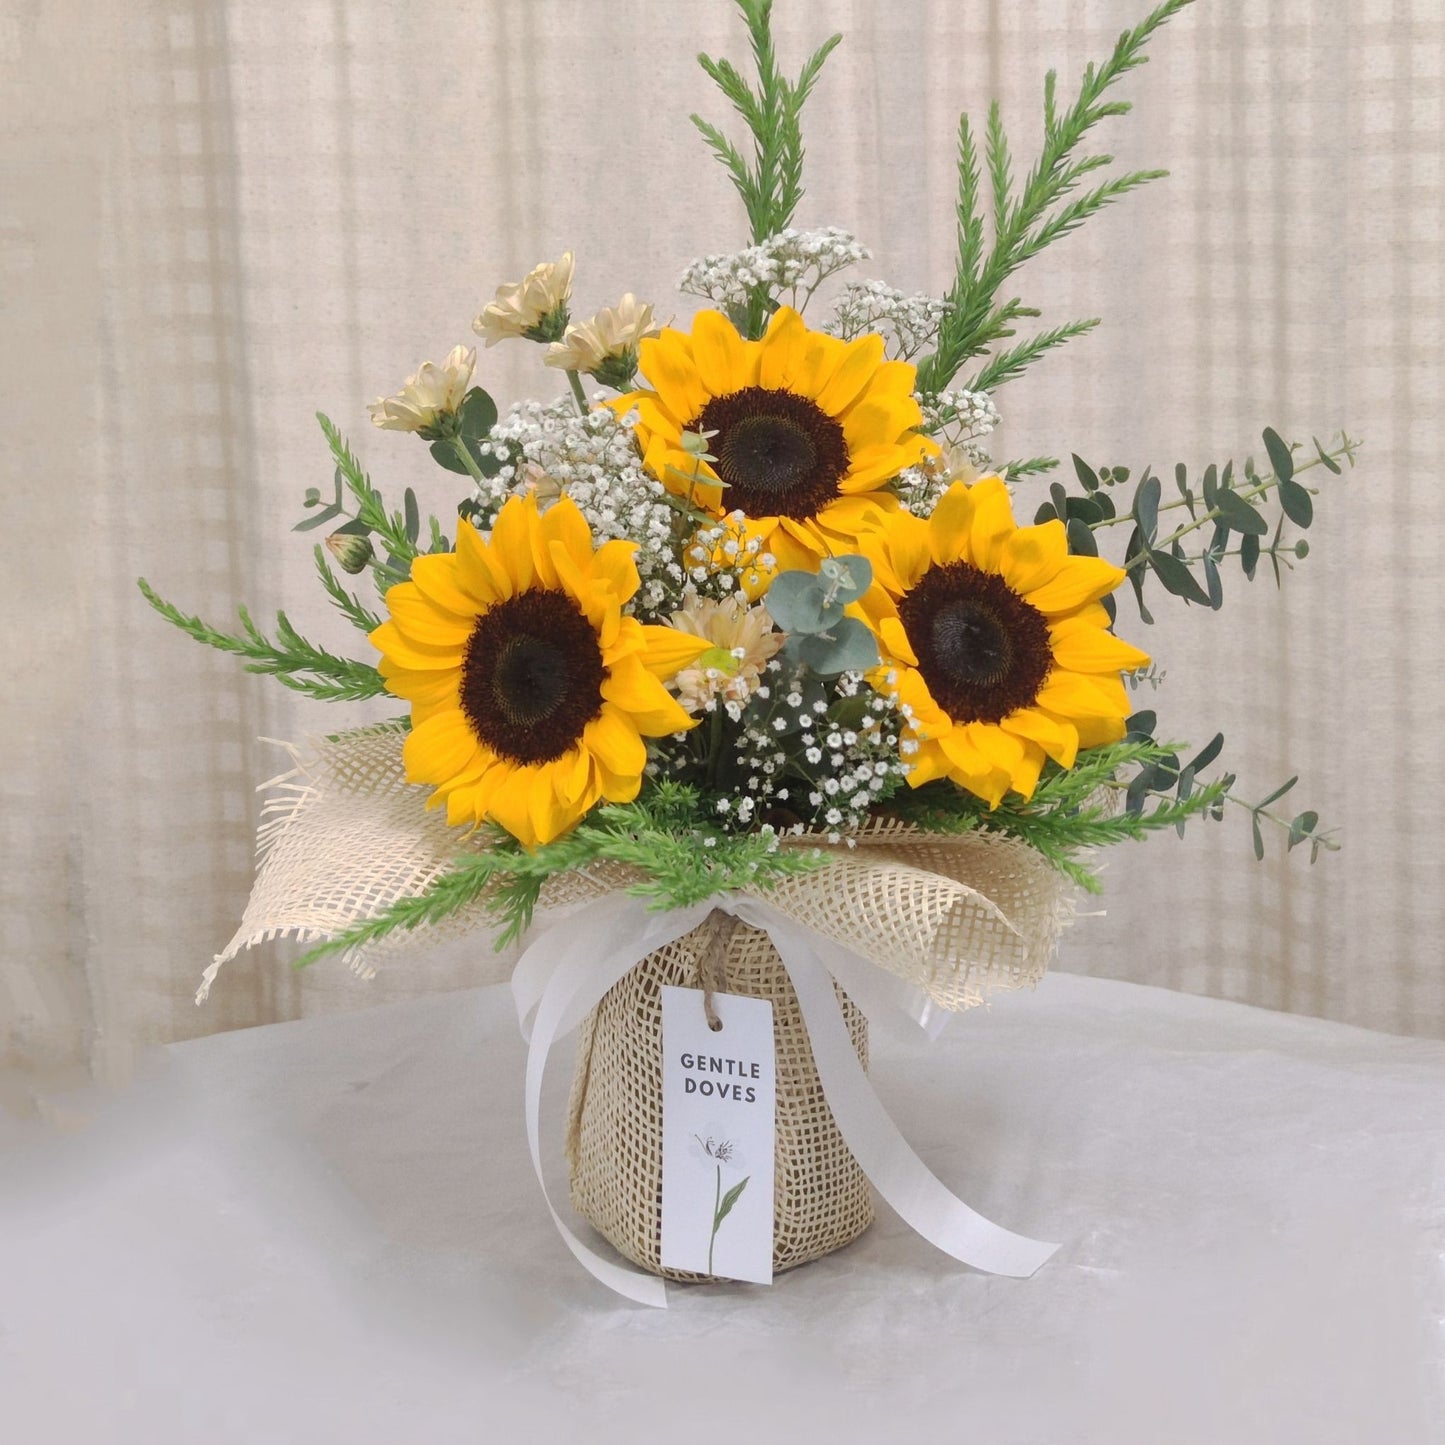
x=713 y=1147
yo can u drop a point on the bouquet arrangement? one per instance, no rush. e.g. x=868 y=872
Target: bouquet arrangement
x=750 y=610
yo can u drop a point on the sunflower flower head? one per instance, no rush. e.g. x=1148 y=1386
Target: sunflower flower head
x=806 y=430
x=994 y=641
x=429 y=401
x=531 y=692
x=534 y=307
x=605 y=347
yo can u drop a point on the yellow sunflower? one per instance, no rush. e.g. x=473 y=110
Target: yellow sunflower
x=530 y=692
x=995 y=641
x=808 y=429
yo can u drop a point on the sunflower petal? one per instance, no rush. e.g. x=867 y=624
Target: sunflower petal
x=480 y=568
x=860 y=362
x=893 y=637
x=668 y=651
x=420 y=620
x=510 y=545
x=414 y=656
x=1079 y=580
x=1058 y=738
x=1032 y=556
x=442 y=580
x=720 y=354
x=782 y=350
x=653 y=710
x=439 y=748
x=615 y=563
x=668 y=364
x=615 y=743
x=1082 y=648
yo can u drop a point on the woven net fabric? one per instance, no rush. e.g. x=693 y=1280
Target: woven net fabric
x=344 y=836
x=821 y=1198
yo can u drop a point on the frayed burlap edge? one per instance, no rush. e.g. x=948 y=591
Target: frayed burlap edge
x=343 y=836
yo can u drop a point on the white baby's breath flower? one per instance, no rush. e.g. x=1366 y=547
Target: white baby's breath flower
x=605 y=346
x=430 y=397
x=534 y=307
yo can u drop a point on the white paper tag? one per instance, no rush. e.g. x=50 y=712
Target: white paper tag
x=718 y=1105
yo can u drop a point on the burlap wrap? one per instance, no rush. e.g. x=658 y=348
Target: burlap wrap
x=821 y=1198
x=344 y=836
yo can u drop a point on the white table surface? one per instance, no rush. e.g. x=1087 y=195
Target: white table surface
x=328 y=1231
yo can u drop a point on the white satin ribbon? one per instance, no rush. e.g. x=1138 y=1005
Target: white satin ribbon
x=568 y=969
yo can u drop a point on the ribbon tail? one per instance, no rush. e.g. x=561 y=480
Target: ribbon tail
x=899 y=1175
x=559 y=978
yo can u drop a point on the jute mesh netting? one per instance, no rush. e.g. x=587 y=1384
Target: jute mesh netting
x=344 y=836
x=821 y=1199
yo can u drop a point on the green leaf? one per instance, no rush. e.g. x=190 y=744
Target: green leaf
x=1326 y=459
x=1141 y=727
x=1240 y=515
x=1258 y=836
x=327 y=514
x=847 y=577
x=1213 y=585
x=849 y=647
x=1208 y=753
x=1177 y=578
x=1278 y=793
x=1210 y=487
x=1136 y=576
x=1302 y=826
x=413 y=515
x=1081 y=539
x=1249 y=555
x=795 y=601
x=1146 y=506
x=1280 y=457
x=1088 y=479
x=728 y=1200
x=1060 y=500
x=1297 y=503
x=478 y=414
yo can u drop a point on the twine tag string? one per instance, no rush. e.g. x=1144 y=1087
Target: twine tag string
x=711 y=960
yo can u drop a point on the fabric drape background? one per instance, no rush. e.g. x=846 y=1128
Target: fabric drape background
x=217 y=218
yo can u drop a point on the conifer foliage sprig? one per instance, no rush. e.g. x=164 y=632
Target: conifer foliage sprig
x=1025 y=219
x=772 y=184
x=291 y=659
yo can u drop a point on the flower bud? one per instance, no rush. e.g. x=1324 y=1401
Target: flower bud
x=353 y=553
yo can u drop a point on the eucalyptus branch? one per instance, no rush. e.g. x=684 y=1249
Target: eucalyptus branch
x=1345 y=449
x=292 y=661
x=1301 y=828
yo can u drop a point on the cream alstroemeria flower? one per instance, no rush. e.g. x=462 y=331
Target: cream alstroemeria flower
x=608 y=342
x=743 y=640
x=434 y=393
x=535 y=307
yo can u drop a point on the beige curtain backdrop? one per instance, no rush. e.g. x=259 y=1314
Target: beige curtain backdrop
x=217 y=218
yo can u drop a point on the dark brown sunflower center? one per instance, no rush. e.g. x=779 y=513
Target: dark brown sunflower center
x=780 y=453
x=532 y=677
x=983 y=651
